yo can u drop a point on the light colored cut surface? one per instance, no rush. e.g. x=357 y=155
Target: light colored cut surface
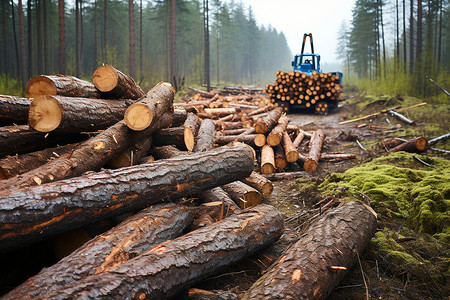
x=45 y=114
x=105 y=78
x=138 y=116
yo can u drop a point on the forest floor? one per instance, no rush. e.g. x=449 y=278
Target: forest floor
x=400 y=262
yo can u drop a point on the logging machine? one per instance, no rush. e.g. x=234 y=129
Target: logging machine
x=306 y=86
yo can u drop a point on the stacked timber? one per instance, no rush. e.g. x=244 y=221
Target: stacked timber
x=308 y=90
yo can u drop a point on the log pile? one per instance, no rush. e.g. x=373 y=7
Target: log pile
x=300 y=88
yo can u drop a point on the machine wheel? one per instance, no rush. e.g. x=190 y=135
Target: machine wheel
x=322 y=108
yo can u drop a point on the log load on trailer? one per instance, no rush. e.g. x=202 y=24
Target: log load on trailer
x=306 y=86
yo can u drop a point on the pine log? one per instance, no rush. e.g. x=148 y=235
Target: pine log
x=199 y=294
x=205 y=136
x=289 y=149
x=280 y=158
x=14 y=109
x=133 y=155
x=211 y=212
x=115 y=84
x=191 y=126
x=231 y=125
x=246 y=139
x=263 y=125
x=260 y=140
x=179 y=117
x=55 y=207
x=250 y=130
x=145 y=112
x=390 y=143
x=62 y=85
x=91 y=155
x=305 y=270
x=260 y=183
x=218 y=194
x=267 y=160
x=222 y=111
x=260 y=110
x=65 y=114
x=276 y=135
x=416 y=145
x=170 y=267
x=164 y=152
x=19 y=164
x=132 y=237
x=298 y=139
x=312 y=161
x=170 y=136
x=285 y=175
x=242 y=194
x=237 y=131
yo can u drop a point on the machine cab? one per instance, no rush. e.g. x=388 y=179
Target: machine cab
x=307 y=63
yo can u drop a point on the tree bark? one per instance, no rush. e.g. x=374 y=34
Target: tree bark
x=125 y=241
x=157 y=101
x=14 y=109
x=305 y=270
x=280 y=158
x=169 y=267
x=115 y=84
x=164 y=152
x=133 y=155
x=205 y=136
x=191 y=126
x=179 y=116
x=259 y=183
x=263 y=125
x=416 y=145
x=75 y=115
x=246 y=139
x=23 y=61
x=267 y=160
x=242 y=194
x=312 y=161
x=401 y=117
x=276 y=135
x=298 y=139
x=289 y=149
x=170 y=136
x=218 y=194
x=61 y=85
x=222 y=111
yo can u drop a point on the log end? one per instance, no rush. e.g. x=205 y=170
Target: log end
x=261 y=127
x=267 y=189
x=310 y=165
x=250 y=199
x=105 y=78
x=260 y=140
x=189 y=139
x=38 y=86
x=45 y=113
x=292 y=156
x=273 y=140
x=138 y=116
x=421 y=144
x=267 y=168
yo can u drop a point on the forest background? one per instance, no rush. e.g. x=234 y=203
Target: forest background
x=390 y=46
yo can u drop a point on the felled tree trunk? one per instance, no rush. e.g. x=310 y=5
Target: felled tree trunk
x=169 y=267
x=242 y=194
x=260 y=183
x=289 y=149
x=179 y=116
x=69 y=203
x=218 y=194
x=267 y=160
x=246 y=139
x=13 y=109
x=205 y=136
x=170 y=136
x=133 y=155
x=280 y=158
x=298 y=139
x=164 y=152
x=62 y=85
x=115 y=84
x=260 y=140
x=416 y=145
x=191 y=126
x=312 y=161
x=276 y=135
x=308 y=269
x=64 y=114
x=125 y=241
x=222 y=111
x=263 y=125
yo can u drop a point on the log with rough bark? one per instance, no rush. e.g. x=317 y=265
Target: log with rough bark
x=133 y=155
x=242 y=194
x=191 y=126
x=199 y=294
x=286 y=175
x=14 y=109
x=170 y=136
x=125 y=241
x=179 y=116
x=67 y=114
x=276 y=135
x=115 y=84
x=267 y=160
x=260 y=110
x=170 y=267
x=19 y=164
x=222 y=111
x=262 y=125
x=157 y=101
x=298 y=139
x=55 y=207
x=312 y=161
x=416 y=145
x=390 y=143
x=246 y=139
x=211 y=212
x=259 y=182
x=289 y=149
x=164 y=152
x=237 y=131
x=205 y=136
x=308 y=269
x=218 y=194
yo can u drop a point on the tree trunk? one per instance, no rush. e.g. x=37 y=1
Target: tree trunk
x=298 y=139
x=280 y=158
x=144 y=113
x=170 y=136
x=78 y=37
x=267 y=160
x=263 y=125
x=218 y=194
x=307 y=270
x=191 y=126
x=179 y=116
x=276 y=135
x=61 y=38
x=246 y=139
x=23 y=61
x=416 y=145
x=30 y=40
x=62 y=114
x=289 y=149
x=166 y=152
x=115 y=84
x=312 y=161
x=63 y=205
x=125 y=241
x=171 y=266
x=14 y=109
x=260 y=183
x=133 y=155
x=62 y=85
x=411 y=37
x=242 y=194
x=205 y=137
x=132 y=62
x=222 y=111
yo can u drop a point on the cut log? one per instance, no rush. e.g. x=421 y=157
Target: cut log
x=131 y=156
x=65 y=114
x=280 y=158
x=312 y=161
x=416 y=145
x=289 y=149
x=286 y=175
x=191 y=126
x=237 y=131
x=199 y=294
x=170 y=136
x=205 y=136
x=218 y=194
x=242 y=194
x=14 y=109
x=260 y=140
x=276 y=135
x=211 y=212
x=390 y=143
x=157 y=101
x=298 y=139
x=179 y=117
x=260 y=110
x=304 y=271
x=267 y=160
x=66 y=204
x=337 y=156
x=19 y=164
x=259 y=182
x=164 y=152
x=263 y=125
x=62 y=85
x=170 y=267
x=115 y=84
x=127 y=240
x=222 y=111
x=246 y=139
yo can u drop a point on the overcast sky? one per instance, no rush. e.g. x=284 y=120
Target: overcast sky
x=322 y=18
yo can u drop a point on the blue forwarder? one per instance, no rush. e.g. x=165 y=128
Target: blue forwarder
x=307 y=86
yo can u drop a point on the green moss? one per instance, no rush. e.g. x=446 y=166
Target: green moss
x=385 y=244
x=399 y=186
